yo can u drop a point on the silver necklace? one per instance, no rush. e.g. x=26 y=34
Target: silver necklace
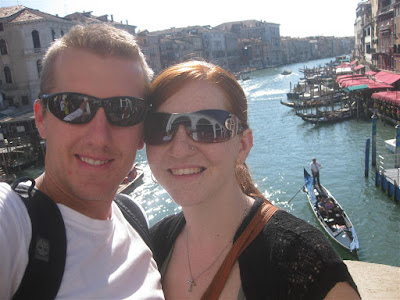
x=192 y=279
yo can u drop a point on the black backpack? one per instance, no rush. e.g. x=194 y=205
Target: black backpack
x=48 y=246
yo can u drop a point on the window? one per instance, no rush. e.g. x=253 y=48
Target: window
x=7 y=74
x=53 y=34
x=25 y=100
x=3 y=47
x=36 y=39
x=62 y=33
x=1 y=27
x=39 y=67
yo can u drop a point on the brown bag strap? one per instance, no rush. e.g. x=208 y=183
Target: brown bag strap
x=263 y=214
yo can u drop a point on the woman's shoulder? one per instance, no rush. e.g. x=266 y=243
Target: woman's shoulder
x=168 y=225
x=163 y=235
x=294 y=237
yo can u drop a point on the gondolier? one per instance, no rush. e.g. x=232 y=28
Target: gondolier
x=315 y=166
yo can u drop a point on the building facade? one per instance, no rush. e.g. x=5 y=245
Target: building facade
x=25 y=35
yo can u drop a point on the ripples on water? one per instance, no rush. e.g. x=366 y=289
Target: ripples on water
x=284 y=144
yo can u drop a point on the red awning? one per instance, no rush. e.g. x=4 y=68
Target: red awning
x=353 y=62
x=372 y=84
x=392 y=97
x=387 y=77
x=359 y=67
x=341 y=78
x=370 y=73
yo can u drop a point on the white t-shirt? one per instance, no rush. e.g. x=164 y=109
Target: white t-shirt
x=106 y=259
x=315 y=166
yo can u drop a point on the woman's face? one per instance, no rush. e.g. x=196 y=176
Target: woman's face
x=193 y=172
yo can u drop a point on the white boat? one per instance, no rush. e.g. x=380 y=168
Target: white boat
x=391 y=145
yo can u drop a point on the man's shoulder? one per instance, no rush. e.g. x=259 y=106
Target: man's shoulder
x=9 y=199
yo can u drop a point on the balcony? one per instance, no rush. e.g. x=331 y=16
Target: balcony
x=32 y=51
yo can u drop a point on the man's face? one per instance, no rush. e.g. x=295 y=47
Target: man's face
x=89 y=161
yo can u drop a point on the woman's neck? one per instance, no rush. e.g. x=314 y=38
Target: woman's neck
x=217 y=220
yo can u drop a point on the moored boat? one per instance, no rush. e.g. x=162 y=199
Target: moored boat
x=130 y=181
x=336 y=223
x=391 y=145
x=286 y=72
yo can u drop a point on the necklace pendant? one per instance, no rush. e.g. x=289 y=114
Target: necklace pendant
x=191 y=283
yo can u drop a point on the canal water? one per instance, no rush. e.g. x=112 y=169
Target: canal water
x=284 y=144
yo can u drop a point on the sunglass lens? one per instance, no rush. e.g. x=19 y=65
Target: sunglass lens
x=125 y=111
x=155 y=129
x=71 y=108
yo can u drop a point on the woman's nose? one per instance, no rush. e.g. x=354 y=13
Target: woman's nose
x=182 y=144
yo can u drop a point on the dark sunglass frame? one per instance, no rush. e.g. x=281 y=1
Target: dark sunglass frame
x=204 y=126
x=122 y=111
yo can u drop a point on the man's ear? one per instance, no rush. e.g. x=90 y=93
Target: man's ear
x=40 y=118
x=246 y=143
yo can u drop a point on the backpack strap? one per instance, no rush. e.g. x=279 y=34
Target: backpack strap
x=47 y=249
x=134 y=215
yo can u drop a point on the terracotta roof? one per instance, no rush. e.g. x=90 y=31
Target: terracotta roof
x=9 y=11
x=25 y=16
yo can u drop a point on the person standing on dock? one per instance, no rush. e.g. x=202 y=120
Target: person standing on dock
x=86 y=160
x=315 y=166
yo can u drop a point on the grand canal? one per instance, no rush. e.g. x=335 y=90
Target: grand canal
x=284 y=144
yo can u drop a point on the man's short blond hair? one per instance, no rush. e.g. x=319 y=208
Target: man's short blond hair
x=101 y=39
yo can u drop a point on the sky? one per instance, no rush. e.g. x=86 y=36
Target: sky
x=296 y=18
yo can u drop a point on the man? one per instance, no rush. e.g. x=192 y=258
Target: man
x=315 y=166
x=85 y=162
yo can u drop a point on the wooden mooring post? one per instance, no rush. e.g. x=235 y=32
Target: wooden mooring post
x=367 y=157
x=374 y=122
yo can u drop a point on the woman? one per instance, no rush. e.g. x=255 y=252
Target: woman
x=197 y=142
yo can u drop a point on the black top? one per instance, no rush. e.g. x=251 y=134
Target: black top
x=289 y=259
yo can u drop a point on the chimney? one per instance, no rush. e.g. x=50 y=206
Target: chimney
x=112 y=18
x=126 y=22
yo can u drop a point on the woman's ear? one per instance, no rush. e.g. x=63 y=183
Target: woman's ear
x=246 y=143
x=40 y=118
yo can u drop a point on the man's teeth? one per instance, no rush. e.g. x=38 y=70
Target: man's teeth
x=93 y=162
x=187 y=171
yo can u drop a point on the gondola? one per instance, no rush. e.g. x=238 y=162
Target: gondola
x=336 y=223
x=131 y=180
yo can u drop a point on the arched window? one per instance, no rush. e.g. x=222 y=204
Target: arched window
x=53 y=34
x=7 y=74
x=39 y=67
x=62 y=33
x=36 y=39
x=3 y=47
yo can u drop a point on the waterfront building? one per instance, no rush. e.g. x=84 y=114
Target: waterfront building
x=25 y=35
x=396 y=37
x=377 y=35
x=149 y=43
x=251 y=30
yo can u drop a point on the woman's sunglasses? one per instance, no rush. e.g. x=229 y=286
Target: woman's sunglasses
x=75 y=108
x=204 y=126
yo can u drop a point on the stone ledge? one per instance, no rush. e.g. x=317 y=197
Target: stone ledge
x=375 y=281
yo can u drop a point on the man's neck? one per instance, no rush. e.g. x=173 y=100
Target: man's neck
x=100 y=210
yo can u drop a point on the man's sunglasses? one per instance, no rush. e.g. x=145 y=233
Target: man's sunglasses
x=205 y=126
x=75 y=108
